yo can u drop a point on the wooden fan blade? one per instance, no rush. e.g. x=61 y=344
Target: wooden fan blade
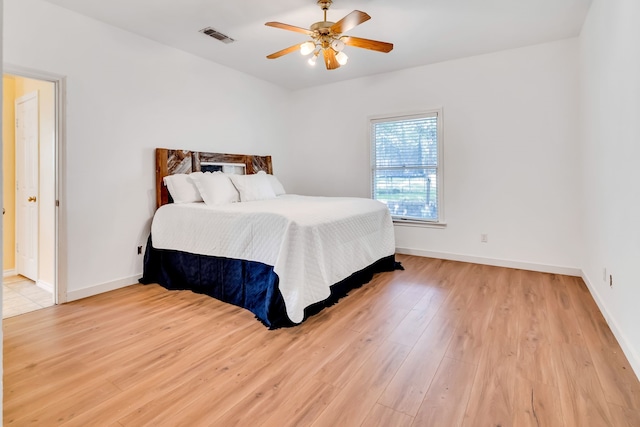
x=289 y=27
x=367 y=44
x=330 y=59
x=283 y=52
x=350 y=21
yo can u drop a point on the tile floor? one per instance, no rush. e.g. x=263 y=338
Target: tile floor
x=21 y=295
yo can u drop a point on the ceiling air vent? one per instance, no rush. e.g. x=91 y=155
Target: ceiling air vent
x=212 y=32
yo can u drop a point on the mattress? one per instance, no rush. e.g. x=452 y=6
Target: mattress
x=311 y=242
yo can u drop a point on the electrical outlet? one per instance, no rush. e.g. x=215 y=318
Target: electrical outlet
x=139 y=250
x=484 y=238
x=611 y=281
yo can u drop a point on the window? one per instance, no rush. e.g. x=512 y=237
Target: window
x=406 y=165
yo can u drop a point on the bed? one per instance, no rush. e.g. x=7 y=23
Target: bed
x=282 y=257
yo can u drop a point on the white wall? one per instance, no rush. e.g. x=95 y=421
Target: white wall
x=610 y=69
x=510 y=137
x=127 y=95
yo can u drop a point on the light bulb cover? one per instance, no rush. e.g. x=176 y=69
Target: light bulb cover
x=342 y=58
x=307 y=47
x=313 y=59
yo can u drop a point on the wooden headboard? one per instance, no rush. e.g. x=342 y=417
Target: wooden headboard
x=170 y=162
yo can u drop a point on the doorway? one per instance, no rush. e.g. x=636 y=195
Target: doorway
x=29 y=206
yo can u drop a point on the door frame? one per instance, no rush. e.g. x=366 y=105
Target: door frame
x=59 y=81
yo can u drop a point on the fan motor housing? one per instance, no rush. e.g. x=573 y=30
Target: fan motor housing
x=322 y=27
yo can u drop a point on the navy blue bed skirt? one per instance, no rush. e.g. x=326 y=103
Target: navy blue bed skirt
x=247 y=284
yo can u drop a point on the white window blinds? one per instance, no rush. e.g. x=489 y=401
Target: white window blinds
x=406 y=155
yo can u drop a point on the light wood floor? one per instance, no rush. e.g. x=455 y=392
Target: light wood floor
x=440 y=344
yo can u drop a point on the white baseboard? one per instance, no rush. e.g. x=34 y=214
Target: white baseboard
x=629 y=352
x=101 y=288
x=46 y=286
x=7 y=273
x=555 y=269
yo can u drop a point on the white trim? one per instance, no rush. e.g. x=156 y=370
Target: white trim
x=103 y=287
x=46 y=286
x=543 y=268
x=629 y=351
x=8 y=273
x=424 y=224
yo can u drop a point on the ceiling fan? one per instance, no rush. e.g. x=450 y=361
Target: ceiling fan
x=327 y=37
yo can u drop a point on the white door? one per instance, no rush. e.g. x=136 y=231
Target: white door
x=27 y=185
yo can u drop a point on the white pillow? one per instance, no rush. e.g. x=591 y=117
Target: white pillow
x=216 y=188
x=182 y=188
x=253 y=187
x=275 y=183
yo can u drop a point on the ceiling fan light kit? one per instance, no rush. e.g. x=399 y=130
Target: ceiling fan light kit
x=342 y=58
x=312 y=61
x=327 y=37
x=307 y=47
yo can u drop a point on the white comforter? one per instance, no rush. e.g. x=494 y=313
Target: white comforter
x=312 y=242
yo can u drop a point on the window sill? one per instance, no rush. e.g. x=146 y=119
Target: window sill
x=414 y=223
